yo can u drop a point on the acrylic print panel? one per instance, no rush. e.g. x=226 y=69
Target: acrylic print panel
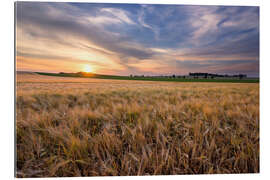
x=136 y=89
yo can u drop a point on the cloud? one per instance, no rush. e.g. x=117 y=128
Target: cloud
x=142 y=22
x=104 y=20
x=119 y=14
x=42 y=24
x=123 y=35
x=108 y=16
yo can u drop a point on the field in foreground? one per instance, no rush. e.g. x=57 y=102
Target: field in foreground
x=93 y=127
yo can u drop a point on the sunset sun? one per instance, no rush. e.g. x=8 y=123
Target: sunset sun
x=87 y=69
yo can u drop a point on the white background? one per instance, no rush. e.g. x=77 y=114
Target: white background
x=7 y=87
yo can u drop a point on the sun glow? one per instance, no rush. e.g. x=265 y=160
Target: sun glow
x=87 y=69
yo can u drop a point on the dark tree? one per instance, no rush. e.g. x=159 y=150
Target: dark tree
x=241 y=76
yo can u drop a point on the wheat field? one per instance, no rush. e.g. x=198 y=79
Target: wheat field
x=94 y=127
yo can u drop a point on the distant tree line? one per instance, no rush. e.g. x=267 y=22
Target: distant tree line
x=194 y=75
x=161 y=76
x=206 y=75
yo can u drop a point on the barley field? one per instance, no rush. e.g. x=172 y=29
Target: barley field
x=94 y=127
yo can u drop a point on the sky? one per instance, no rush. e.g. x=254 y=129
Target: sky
x=138 y=39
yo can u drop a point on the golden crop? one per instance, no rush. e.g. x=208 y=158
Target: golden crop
x=94 y=127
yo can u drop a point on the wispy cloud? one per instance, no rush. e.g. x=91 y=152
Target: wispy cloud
x=144 y=24
x=119 y=14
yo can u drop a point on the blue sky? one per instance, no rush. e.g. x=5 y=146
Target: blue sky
x=128 y=39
